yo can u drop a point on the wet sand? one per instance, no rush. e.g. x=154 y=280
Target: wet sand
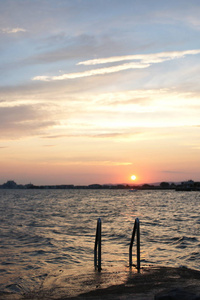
x=149 y=283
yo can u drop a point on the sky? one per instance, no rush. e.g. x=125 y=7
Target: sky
x=96 y=91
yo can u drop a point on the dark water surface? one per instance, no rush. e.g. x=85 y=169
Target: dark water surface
x=47 y=236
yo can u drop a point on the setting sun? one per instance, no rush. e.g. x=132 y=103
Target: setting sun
x=133 y=177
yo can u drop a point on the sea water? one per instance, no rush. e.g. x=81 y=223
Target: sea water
x=47 y=236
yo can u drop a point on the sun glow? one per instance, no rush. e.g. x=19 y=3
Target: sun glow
x=133 y=177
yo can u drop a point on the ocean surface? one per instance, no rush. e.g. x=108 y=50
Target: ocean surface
x=47 y=237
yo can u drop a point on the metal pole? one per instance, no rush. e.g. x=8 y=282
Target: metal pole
x=131 y=244
x=95 y=247
x=98 y=244
x=136 y=230
x=138 y=244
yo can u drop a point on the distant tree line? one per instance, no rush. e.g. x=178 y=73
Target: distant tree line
x=189 y=185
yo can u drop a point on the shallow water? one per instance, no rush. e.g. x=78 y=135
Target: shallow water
x=47 y=236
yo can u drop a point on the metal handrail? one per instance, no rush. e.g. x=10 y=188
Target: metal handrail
x=136 y=229
x=97 y=254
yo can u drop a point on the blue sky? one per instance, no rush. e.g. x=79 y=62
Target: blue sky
x=95 y=91
x=55 y=35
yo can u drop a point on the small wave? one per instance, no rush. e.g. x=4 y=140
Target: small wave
x=117 y=237
x=13 y=288
x=176 y=240
x=195 y=256
x=184 y=242
x=3 y=270
x=38 y=252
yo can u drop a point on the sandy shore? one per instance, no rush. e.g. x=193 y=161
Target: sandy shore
x=184 y=282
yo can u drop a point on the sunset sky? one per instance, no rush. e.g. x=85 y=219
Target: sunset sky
x=96 y=91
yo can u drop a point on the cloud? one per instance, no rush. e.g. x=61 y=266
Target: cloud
x=183 y=14
x=93 y=72
x=144 y=58
x=12 y=30
x=23 y=120
x=90 y=162
x=102 y=135
x=141 y=61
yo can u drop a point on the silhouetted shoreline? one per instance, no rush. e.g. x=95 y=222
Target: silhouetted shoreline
x=189 y=185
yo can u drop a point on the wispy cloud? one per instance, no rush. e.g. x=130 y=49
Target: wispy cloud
x=90 y=162
x=105 y=135
x=12 y=30
x=140 y=61
x=94 y=72
x=144 y=58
